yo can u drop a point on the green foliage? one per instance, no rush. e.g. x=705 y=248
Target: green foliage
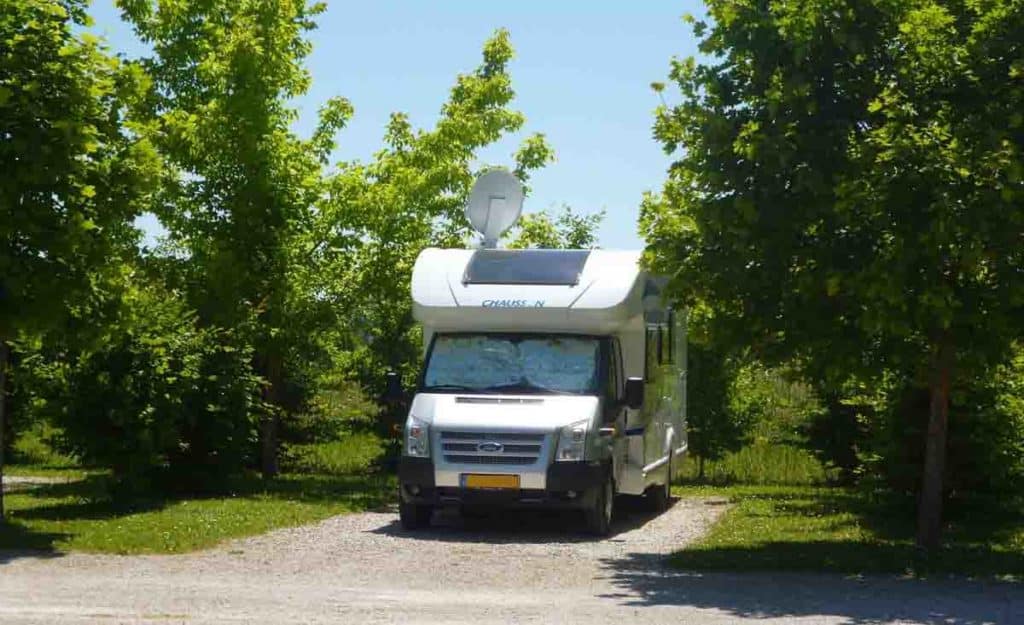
x=241 y=193
x=836 y=433
x=38 y=445
x=760 y=463
x=75 y=170
x=379 y=215
x=337 y=407
x=986 y=445
x=567 y=230
x=848 y=190
x=858 y=208
x=160 y=394
x=778 y=405
x=355 y=453
x=713 y=426
x=281 y=292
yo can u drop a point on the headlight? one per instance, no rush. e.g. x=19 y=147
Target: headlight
x=572 y=442
x=417 y=438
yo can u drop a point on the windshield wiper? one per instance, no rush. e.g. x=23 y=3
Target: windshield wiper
x=528 y=387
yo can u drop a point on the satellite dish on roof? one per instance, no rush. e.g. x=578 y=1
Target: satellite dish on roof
x=495 y=203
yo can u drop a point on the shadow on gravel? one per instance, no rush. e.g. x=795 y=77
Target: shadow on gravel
x=521 y=526
x=645 y=580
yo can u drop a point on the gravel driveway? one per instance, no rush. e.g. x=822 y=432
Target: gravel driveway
x=513 y=568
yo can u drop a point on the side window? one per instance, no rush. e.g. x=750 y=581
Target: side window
x=652 y=351
x=670 y=343
x=620 y=379
x=614 y=389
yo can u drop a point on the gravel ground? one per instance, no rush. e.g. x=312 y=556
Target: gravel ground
x=509 y=568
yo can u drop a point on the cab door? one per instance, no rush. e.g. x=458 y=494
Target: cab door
x=616 y=413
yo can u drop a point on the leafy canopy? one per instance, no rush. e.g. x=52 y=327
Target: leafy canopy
x=76 y=169
x=849 y=178
x=566 y=230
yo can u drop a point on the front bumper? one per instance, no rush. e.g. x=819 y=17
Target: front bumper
x=568 y=485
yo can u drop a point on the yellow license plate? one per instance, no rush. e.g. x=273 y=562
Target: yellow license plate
x=490 y=481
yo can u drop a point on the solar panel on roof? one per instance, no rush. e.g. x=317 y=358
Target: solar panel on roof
x=542 y=267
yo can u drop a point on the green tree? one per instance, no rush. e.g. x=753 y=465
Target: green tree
x=244 y=186
x=849 y=185
x=378 y=216
x=567 y=230
x=158 y=399
x=76 y=172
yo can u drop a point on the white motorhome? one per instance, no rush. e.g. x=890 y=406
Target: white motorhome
x=550 y=378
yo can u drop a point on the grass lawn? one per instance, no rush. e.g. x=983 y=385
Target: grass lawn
x=816 y=528
x=760 y=463
x=80 y=516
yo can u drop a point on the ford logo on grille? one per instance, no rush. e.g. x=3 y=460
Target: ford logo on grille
x=490 y=447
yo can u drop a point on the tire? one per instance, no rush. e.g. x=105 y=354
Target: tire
x=414 y=516
x=473 y=512
x=660 y=496
x=598 y=516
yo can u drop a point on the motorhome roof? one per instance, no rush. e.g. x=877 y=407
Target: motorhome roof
x=556 y=290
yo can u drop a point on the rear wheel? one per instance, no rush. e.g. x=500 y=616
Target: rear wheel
x=598 y=515
x=414 y=516
x=660 y=495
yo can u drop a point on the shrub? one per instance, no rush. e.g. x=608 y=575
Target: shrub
x=38 y=445
x=162 y=398
x=713 y=427
x=776 y=403
x=985 y=448
x=337 y=408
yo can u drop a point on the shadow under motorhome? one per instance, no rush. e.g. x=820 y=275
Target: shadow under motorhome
x=551 y=378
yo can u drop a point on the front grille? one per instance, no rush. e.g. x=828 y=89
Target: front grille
x=516 y=448
x=516 y=460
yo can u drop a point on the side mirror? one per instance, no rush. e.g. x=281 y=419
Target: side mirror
x=634 y=393
x=392 y=387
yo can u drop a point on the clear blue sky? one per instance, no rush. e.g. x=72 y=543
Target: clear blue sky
x=582 y=76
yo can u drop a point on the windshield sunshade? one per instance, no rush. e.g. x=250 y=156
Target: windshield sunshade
x=494 y=363
x=551 y=267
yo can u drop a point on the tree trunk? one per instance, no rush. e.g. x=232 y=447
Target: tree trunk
x=268 y=445
x=5 y=357
x=929 y=507
x=700 y=468
x=269 y=423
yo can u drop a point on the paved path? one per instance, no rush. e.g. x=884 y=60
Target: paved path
x=516 y=568
x=18 y=482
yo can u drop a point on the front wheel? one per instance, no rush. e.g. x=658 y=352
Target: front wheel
x=414 y=516
x=598 y=515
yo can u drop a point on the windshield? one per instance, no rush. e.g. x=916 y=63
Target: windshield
x=513 y=363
